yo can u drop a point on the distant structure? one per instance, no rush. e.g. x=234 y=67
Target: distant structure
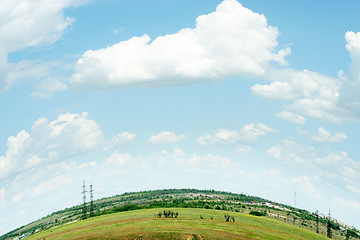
x=295 y=200
x=84 y=214
x=91 y=201
x=329 y=233
x=317 y=221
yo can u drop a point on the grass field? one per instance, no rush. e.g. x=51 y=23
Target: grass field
x=142 y=224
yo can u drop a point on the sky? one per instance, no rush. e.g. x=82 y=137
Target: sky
x=256 y=97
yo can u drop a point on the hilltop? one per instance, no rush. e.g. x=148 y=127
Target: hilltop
x=191 y=200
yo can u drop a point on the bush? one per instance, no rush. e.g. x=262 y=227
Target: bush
x=167 y=214
x=257 y=213
x=229 y=218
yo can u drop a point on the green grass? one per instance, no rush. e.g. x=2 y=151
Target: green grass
x=141 y=224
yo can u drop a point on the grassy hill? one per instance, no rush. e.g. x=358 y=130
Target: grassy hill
x=133 y=210
x=142 y=224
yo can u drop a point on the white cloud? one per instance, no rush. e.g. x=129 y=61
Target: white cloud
x=349 y=97
x=207 y=162
x=306 y=185
x=293 y=154
x=319 y=108
x=291 y=117
x=244 y=149
x=252 y=132
x=353 y=47
x=124 y=138
x=325 y=136
x=336 y=168
x=290 y=84
x=312 y=94
x=48 y=87
x=339 y=166
x=221 y=137
x=2 y=197
x=27 y=23
x=166 y=138
x=275 y=152
x=119 y=160
x=88 y=165
x=67 y=136
x=233 y=40
x=347 y=206
x=41 y=188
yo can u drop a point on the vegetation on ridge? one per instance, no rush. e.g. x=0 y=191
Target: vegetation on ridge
x=192 y=198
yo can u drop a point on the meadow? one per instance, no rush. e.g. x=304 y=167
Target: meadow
x=190 y=224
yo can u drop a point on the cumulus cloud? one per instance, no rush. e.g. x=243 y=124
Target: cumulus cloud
x=118 y=160
x=67 y=136
x=221 y=137
x=290 y=84
x=48 y=87
x=311 y=94
x=336 y=167
x=293 y=154
x=349 y=97
x=27 y=23
x=250 y=132
x=122 y=139
x=291 y=117
x=233 y=40
x=166 y=138
x=315 y=95
x=353 y=47
x=325 y=136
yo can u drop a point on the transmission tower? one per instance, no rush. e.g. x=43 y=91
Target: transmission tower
x=91 y=201
x=329 y=233
x=317 y=221
x=84 y=215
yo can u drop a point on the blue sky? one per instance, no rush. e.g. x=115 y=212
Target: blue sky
x=253 y=96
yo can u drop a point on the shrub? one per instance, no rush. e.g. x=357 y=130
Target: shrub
x=229 y=218
x=167 y=214
x=257 y=213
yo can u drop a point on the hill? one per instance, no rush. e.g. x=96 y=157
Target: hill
x=192 y=201
x=190 y=224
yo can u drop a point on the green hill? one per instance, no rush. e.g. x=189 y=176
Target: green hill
x=128 y=215
x=142 y=224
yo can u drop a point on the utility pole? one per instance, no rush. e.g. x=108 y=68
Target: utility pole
x=329 y=233
x=317 y=221
x=347 y=234
x=91 y=202
x=84 y=215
